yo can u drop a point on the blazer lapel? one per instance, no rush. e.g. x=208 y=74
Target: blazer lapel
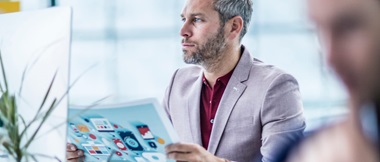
x=193 y=107
x=235 y=89
x=232 y=93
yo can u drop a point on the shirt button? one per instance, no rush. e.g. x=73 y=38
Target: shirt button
x=212 y=121
x=210 y=102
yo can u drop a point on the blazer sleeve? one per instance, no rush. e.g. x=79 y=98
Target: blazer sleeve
x=282 y=117
x=166 y=100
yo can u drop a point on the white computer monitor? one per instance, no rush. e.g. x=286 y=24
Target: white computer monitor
x=39 y=41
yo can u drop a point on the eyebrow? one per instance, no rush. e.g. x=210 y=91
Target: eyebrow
x=194 y=14
x=348 y=17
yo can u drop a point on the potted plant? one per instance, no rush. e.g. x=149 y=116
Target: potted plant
x=14 y=128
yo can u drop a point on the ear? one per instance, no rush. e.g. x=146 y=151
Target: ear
x=235 y=26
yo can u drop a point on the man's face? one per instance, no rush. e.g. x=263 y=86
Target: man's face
x=203 y=37
x=349 y=31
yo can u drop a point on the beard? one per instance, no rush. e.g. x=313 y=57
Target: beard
x=208 y=53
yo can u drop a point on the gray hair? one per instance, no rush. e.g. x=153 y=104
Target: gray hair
x=228 y=9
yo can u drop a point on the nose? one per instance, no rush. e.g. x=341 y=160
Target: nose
x=333 y=55
x=185 y=31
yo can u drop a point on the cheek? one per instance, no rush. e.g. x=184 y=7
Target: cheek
x=359 y=48
x=204 y=34
x=200 y=33
x=362 y=59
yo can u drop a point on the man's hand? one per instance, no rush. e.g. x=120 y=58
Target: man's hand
x=190 y=153
x=73 y=154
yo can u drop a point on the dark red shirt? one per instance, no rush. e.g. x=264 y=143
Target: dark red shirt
x=210 y=99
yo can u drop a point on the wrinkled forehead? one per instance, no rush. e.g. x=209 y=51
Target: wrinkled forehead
x=324 y=12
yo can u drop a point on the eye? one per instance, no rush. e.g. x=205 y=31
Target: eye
x=348 y=26
x=197 y=20
x=183 y=19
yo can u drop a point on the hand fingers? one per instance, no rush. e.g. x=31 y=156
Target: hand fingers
x=182 y=147
x=180 y=156
x=74 y=155
x=81 y=159
x=71 y=147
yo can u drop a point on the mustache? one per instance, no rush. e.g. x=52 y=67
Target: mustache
x=187 y=41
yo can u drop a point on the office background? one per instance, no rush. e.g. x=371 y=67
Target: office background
x=129 y=49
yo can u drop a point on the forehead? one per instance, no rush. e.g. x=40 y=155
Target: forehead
x=326 y=11
x=198 y=6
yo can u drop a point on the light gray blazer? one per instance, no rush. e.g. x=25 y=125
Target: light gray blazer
x=259 y=113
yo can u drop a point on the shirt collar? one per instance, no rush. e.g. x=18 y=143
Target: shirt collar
x=224 y=79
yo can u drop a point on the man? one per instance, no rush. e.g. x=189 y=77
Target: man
x=350 y=34
x=231 y=107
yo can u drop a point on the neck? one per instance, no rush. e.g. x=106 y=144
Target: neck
x=354 y=105
x=223 y=65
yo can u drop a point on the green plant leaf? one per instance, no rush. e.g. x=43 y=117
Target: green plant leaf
x=25 y=125
x=48 y=92
x=4 y=75
x=42 y=104
x=41 y=123
x=31 y=64
x=34 y=158
x=10 y=149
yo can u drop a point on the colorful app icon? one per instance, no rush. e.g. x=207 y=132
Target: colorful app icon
x=74 y=128
x=78 y=134
x=145 y=132
x=118 y=153
x=120 y=144
x=152 y=145
x=95 y=149
x=83 y=128
x=102 y=124
x=130 y=140
x=154 y=156
x=92 y=136
x=161 y=141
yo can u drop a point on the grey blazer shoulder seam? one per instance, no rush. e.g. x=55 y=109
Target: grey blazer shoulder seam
x=270 y=86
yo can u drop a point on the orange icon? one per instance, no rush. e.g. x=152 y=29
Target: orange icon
x=83 y=128
x=161 y=141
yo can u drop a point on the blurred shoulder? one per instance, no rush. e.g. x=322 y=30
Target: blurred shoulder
x=269 y=74
x=338 y=142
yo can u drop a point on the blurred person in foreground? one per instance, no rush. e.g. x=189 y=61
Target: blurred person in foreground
x=349 y=31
